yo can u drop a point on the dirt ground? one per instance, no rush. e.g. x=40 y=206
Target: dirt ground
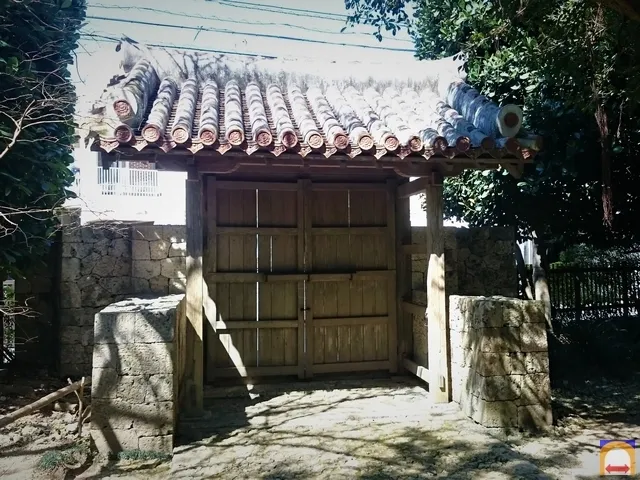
x=368 y=429
x=389 y=430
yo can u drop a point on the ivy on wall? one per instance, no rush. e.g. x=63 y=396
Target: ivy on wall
x=37 y=100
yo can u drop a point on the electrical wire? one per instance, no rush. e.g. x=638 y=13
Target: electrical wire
x=250 y=34
x=109 y=39
x=286 y=10
x=242 y=22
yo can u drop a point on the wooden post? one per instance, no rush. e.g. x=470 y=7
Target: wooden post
x=578 y=296
x=194 y=367
x=403 y=279
x=439 y=353
x=308 y=267
x=210 y=266
x=301 y=285
x=392 y=297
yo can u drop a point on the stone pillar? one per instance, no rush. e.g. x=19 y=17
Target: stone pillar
x=500 y=361
x=132 y=391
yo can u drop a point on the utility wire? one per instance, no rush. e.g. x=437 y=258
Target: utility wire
x=285 y=10
x=243 y=22
x=109 y=39
x=261 y=35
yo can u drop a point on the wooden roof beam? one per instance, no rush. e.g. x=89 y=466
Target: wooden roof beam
x=419 y=185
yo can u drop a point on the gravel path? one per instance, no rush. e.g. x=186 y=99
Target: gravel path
x=365 y=429
x=381 y=430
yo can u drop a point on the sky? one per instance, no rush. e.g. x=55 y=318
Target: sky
x=305 y=29
x=298 y=29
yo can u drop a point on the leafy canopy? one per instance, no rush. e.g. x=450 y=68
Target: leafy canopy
x=572 y=65
x=37 y=39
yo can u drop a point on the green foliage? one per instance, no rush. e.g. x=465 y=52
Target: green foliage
x=57 y=459
x=37 y=39
x=583 y=255
x=563 y=61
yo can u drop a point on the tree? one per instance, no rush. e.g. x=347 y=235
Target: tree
x=571 y=65
x=37 y=100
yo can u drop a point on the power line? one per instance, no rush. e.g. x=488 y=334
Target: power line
x=261 y=35
x=285 y=10
x=244 y=22
x=108 y=39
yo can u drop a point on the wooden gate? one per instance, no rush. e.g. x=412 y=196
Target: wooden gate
x=302 y=276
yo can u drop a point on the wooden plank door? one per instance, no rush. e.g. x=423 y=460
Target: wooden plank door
x=300 y=278
x=351 y=323
x=253 y=255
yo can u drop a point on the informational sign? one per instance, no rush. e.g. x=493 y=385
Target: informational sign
x=618 y=457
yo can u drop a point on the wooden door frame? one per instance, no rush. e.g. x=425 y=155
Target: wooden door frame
x=305 y=274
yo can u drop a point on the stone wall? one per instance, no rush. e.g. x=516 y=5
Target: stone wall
x=158 y=259
x=95 y=272
x=478 y=261
x=500 y=361
x=132 y=393
x=105 y=264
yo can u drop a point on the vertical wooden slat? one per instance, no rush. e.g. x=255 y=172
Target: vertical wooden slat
x=211 y=266
x=365 y=214
x=301 y=268
x=308 y=262
x=334 y=206
x=344 y=333
x=438 y=331
x=356 y=287
x=223 y=344
x=403 y=278
x=237 y=206
x=379 y=217
x=264 y=266
x=194 y=370
x=392 y=325
x=248 y=337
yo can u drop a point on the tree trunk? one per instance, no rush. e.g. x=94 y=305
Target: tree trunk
x=522 y=274
x=540 y=284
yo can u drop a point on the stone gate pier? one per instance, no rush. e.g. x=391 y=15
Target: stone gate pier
x=133 y=390
x=500 y=361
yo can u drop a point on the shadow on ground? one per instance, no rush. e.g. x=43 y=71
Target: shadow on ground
x=384 y=429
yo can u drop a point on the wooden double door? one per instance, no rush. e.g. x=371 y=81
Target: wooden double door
x=301 y=276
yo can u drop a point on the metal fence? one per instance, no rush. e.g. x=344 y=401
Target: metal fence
x=579 y=293
x=128 y=182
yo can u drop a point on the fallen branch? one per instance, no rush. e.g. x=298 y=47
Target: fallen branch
x=80 y=394
x=43 y=402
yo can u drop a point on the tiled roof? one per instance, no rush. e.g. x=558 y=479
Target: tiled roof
x=148 y=108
